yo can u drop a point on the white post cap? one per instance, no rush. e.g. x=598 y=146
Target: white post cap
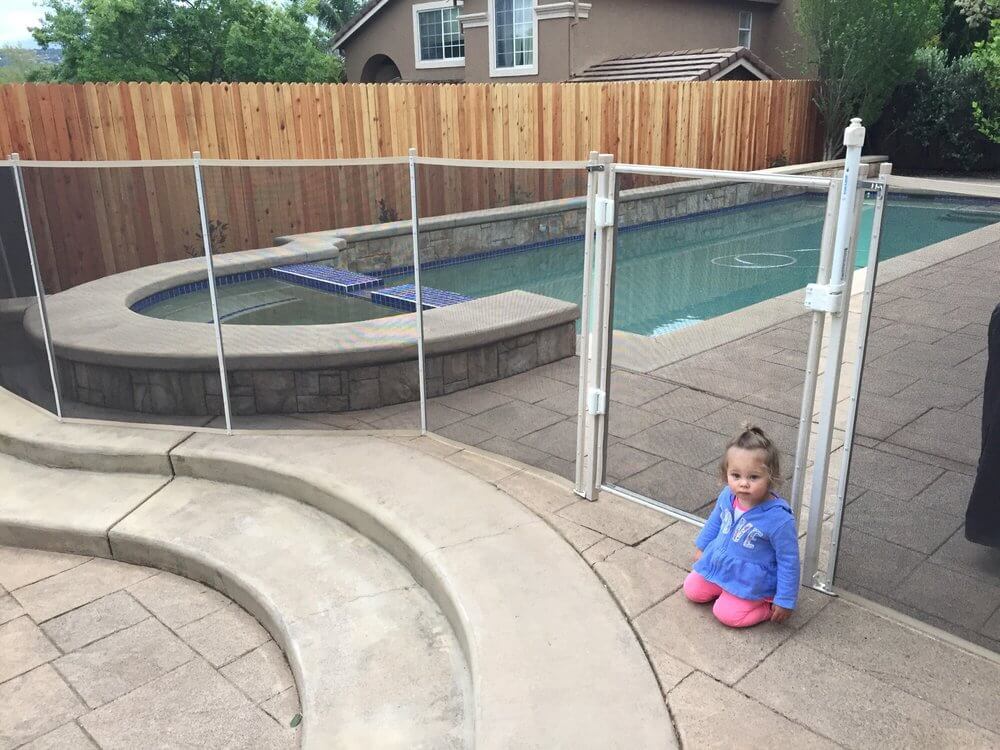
x=854 y=134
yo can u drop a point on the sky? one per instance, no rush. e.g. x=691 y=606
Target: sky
x=15 y=18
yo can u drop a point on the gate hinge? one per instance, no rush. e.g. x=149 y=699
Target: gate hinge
x=825 y=298
x=604 y=212
x=597 y=401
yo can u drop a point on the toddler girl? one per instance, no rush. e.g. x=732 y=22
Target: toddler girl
x=748 y=552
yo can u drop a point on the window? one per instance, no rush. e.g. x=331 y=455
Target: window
x=746 y=20
x=438 y=39
x=514 y=34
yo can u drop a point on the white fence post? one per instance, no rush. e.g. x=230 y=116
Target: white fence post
x=597 y=329
x=585 y=337
x=835 y=299
x=813 y=352
x=871 y=274
x=206 y=241
x=418 y=294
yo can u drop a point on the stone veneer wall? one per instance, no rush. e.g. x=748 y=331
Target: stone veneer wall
x=197 y=393
x=498 y=230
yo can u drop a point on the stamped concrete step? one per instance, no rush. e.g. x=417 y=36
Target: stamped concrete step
x=553 y=660
x=376 y=663
x=65 y=510
x=27 y=432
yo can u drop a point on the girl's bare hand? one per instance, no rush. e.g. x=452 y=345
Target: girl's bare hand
x=779 y=614
x=697 y=555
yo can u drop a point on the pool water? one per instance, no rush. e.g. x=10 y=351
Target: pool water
x=268 y=302
x=666 y=276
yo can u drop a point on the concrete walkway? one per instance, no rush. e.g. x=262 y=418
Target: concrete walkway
x=97 y=653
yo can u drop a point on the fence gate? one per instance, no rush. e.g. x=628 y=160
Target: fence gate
x=695 y=324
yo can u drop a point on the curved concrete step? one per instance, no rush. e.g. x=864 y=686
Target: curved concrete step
x=28 y=432
x=64 y=510
x=375 y=662
x=554 y=662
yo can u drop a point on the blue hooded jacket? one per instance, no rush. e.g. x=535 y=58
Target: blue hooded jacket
x=755 y=558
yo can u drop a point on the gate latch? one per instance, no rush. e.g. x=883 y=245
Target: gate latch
x=597 y=401
x=604 y=212
x=825 y=298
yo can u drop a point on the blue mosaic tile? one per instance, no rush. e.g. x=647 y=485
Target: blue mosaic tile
x=404 y=297
x=198 y=286
x=326 y=278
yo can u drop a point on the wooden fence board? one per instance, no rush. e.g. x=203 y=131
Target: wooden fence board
x=102 y=221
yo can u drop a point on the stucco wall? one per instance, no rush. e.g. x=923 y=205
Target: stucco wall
x=552 y=48
x=786 y=52
x=390 y=32
x=636 y=27
x=565 y=47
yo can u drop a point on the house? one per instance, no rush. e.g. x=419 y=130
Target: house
x=568 y=40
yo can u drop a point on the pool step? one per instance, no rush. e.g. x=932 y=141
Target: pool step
x=404 y=297
x=326 y=278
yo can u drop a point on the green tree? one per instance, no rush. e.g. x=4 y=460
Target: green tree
x=964 y=23
x=18 y=65
x=860 y=50
x=987 y=110
x=187 y=40
x=334 y=14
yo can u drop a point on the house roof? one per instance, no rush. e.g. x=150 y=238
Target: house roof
x=365 y=12
x=678 y=65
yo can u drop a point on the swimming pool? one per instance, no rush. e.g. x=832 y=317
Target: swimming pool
x=668 y=274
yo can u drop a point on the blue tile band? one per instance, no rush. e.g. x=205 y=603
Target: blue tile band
x=404 y=297
x=198 y=286
x=325 y=278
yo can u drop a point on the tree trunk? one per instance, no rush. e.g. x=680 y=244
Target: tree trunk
x=833 y=145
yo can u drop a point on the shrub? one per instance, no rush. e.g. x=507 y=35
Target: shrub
x=986 y=107
x=929 y=123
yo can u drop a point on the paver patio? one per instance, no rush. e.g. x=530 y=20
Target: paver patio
x=97 y=653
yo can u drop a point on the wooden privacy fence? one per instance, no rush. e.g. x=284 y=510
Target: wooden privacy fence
x=96 y=221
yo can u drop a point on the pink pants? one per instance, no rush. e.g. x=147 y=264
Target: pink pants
x=728 y=609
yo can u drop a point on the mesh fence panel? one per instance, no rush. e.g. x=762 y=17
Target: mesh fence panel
x=709 y=329
x=310 y=341
x=919 y=417
x=504 y=277
x=119 y=251
x=24 y=368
